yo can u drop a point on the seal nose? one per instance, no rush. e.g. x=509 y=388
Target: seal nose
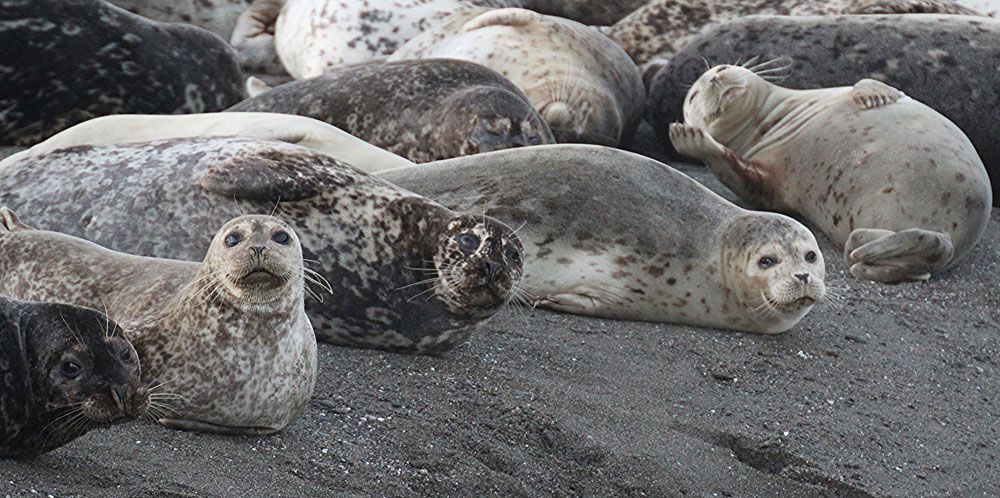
x=258 y=251
x=803 y=277
x=490 y=268
x=120 y=395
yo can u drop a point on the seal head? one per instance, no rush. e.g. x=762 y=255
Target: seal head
x=483 y=119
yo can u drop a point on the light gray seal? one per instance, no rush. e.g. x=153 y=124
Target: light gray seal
x=612 y=234
x=408 y=274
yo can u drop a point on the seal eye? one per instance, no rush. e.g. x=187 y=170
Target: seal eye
x=811 y=257
x=468 y=242
x=71 y=370
x=126 y=356
x=281 y=237
x=766 y=262
x=512 y=254
x=232 y=239
x=534 y=140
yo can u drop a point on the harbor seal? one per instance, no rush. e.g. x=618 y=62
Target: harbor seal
x=612 y=234
x=835 y=51
x=410 y=275
x=66 y=370
x=890 y=180
x=228 y=337
x=604 y=13
x=423 y=110
x=217 y=16
x=582 y=83
x=66 y=61
x=298 y=130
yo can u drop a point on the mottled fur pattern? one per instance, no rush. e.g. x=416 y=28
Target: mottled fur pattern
x=423 y=110
x=371 y=240
x=612 y=234
x=217 y=16
x=228 y=338
x=64 y=370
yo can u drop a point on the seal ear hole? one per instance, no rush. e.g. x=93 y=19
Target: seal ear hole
x=766 y=262
x=468 y=242
x=233 y=239
x=281 y=237
x=811 y=257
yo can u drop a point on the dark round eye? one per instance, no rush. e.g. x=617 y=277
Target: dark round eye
x=811 y=257
x=125 y=355
x=512 y=254
x=534 y=140
x=766 y=262
x=232 y=239
x=71 y=370
x=281 y=237
x=468 y=242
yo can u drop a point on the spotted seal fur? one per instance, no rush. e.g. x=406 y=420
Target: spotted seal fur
x=424 y=110
x=228 y=337
x=217 y=16
x=612 y=234
x=409 y=274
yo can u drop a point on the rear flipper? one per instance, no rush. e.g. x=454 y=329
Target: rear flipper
x=909 y=7
x=9 y=221
x=907 y=256
x=253 y=37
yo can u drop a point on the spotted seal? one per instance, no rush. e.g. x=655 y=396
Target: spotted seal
x=582 y=83
x=612 y=234
x=835 y=51
x=424 y=110
x=66 y=370
x=87 y=58
x=896 y=184
x=217 y=16
x=298 y=130
x=410 y=275
x=228 y=337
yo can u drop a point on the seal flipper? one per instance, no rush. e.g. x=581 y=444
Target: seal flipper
x=745 y=178
x=909 y=7
x=272 y=176
x=869 y=94
x=10 y=222
x=197 y=426
x=253 y=36
x=255 y=86
x=502 y=17
x=908 y=255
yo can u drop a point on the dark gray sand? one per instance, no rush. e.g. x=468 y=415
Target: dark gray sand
x=893 y=391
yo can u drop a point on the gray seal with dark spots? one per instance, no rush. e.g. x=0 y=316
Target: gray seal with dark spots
x=64 y=370
x=424 y=110
x=612 y=234
x=225 y=344
x=946 y=62
x=407 y=274
x=66 y=61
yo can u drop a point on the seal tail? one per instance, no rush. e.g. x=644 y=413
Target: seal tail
x=10 y=222
x=891 y=257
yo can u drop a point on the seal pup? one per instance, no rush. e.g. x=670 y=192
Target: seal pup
x=411 y=276
x=582 y=83
x=896 y=184
x=298 y=130
x=66 y=370
x=423 y=110
x=229 y=337
x=834 y=51
x=67 y=61
x=612 y=234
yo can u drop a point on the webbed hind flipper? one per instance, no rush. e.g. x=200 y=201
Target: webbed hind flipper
x=225 y=430
x=10 y=221
x=274 y=176
x=253 y=36
x=909 y=7
x=908 y=255
x=869 y=94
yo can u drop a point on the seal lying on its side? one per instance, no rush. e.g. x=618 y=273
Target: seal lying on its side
x=298 y=130
x=67 y=61
x=613 y=234
x=65 y=370
x=896 y=184
x=410 y=275
x=229 y=337
x=424 y=110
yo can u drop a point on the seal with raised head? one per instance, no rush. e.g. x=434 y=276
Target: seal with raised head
x=612 y=234
x=582 y=83
x=410 y=275
x=228 y=338
x=298 y=130
x=67 y=61
x=65 y=370
x=937 y=60
x=424 y=110
x=890 y=180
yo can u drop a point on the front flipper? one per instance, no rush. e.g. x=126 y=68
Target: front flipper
x=10 y=221
x=272 y=176
x=869 y=94
x=225 y=430
x=909 y=7
x=747 y=179
x=908 y=255
x=253 y=36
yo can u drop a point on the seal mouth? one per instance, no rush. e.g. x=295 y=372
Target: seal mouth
x=259 y=276
x=798 y=303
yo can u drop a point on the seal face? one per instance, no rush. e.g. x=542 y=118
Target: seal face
x=890 y=49
x=89 y=58
x=66 y=370
x=611 y=234
x=225 y=345
x=860 y=162
x=423 y=110
x=581 y=82
x=373 y=241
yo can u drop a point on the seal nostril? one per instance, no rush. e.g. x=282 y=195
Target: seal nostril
x=120 y=395
x=257 y=251
x=803 y=277
x=490 y=267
